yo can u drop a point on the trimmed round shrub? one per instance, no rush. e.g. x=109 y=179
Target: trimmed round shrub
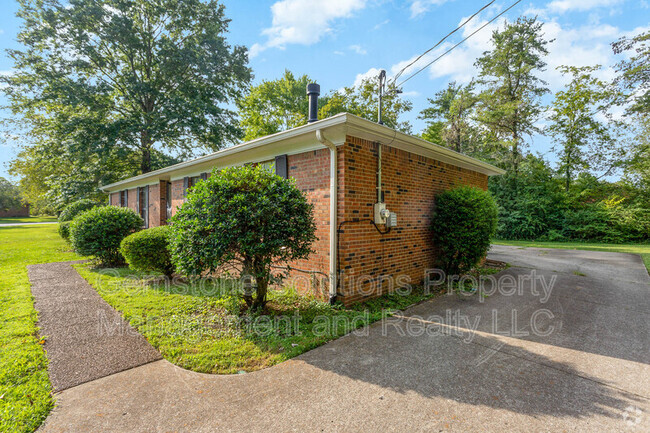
x=64 y=230
x=245 y=217
x=98 y=232
x=73 y=209
x=464 y=221
x=146 y=250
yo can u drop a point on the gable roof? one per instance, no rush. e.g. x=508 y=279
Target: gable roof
x=303 y=139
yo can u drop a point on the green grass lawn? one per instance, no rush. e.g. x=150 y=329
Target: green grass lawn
x=642 y=249
x=25 y=390
x=22 y=220
x=204 y=331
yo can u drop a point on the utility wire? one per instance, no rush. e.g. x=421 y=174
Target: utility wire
x=441 y=41
x=452 y=48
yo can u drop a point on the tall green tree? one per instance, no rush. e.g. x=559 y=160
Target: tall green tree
x=10 y=196
x=583 y=142
x=510 y=104
x=634 y=73
x=363 y=101
x=132 y=75
x=453 y=107
x=275 y=105
x=637 y=168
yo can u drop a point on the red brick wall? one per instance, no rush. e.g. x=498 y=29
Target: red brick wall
x=177 y=195
x=311 y=171
x=133 y=199
x=410 y=183
x=114 y=199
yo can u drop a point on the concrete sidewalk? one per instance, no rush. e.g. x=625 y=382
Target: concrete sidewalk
x=27 y=224
x=441 y=366
x=86 y=339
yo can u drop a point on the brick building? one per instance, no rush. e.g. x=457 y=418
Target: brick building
x=351 y=169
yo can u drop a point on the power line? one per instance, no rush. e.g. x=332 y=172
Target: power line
x=441 y=40
x=452 y=48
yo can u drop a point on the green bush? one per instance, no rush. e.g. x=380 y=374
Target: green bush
x=64 y=230
x=531 y=203
x=147 y=250
x=73 y=209
x=98 y=232
x=464 y=221
x=242 y=216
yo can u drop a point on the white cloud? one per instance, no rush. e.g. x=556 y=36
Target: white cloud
x=381 y=24
x=303 y=22
x=358 y=49
x=585 y=45
x=579 y=5
x=418 y=7
x=370 y=73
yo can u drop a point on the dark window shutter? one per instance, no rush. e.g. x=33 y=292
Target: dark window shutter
x=186 y=185
x=281 y=168
x=204 y=176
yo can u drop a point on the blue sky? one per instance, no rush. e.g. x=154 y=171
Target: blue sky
x=337 y=42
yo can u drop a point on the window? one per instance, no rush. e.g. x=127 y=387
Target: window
x=124 y=198
x=168 y=199
x=189 y=182
x=268 y=166
x=281 y=166
x=143 y=204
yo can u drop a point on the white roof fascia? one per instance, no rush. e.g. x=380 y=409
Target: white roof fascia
x=303 y=139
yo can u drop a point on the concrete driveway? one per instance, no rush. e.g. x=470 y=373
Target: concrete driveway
x=568 y=353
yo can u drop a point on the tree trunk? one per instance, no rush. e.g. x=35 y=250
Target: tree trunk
x=262 y=287
x=145 y=144
x=247 y=282
x=145 y=164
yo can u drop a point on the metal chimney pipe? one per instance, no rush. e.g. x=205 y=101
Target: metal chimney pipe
x=313 y=91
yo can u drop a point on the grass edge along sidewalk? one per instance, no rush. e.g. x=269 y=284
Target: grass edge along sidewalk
x=25 y=389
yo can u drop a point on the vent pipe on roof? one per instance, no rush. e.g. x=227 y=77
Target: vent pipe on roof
x=313 y=91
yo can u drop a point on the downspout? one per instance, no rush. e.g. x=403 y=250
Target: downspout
x=333 y=213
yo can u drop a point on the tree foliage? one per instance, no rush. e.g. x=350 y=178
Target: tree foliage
x=634 y=73
x=583 y=142
x=274 y=106
x=363 y=101
x=509 y=106
x=111 y=83
x=453 y=108
x=242 y=218
x=10 y=196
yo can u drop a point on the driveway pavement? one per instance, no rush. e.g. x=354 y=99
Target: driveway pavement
x=570 y=352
